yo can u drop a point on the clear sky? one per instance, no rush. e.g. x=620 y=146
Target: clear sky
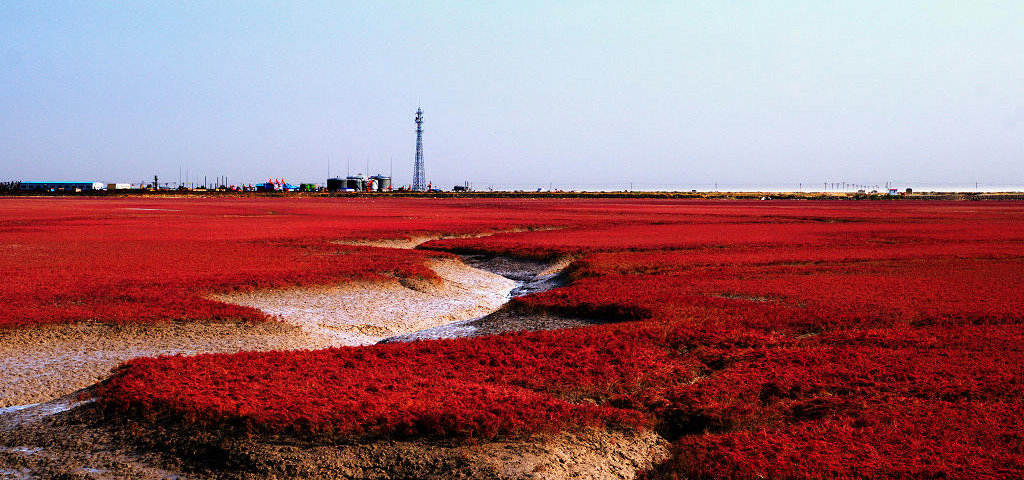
x=582 y=93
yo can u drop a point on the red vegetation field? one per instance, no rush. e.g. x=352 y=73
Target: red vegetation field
x=764 y=339
x=130 y=260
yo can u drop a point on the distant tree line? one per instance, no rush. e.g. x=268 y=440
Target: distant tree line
x=9 y=186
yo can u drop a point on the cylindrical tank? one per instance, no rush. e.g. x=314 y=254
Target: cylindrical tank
x=383 y=183
x=335 y=184
x=355 y=182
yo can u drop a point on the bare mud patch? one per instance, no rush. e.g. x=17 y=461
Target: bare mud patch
x=365 y=313
x=41 y=363
x=80 y=443
x=416 y=240
x=588 y=454
x=505 y=320
x=400 y=243
x=61 y=439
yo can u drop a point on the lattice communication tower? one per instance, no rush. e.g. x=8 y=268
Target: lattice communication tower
x=419 y=177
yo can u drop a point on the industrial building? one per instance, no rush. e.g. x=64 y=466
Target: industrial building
x=62 y=186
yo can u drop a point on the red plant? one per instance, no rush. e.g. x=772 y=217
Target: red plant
x=766 y=339
x=129 y=260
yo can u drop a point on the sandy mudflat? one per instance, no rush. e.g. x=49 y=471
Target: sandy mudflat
x=402 y=243
x=41 y=363
x=363 y=314
x=416 y=240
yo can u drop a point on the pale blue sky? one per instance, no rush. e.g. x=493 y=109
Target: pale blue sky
x=591 y=93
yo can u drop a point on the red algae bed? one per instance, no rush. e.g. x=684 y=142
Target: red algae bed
x=780 y=339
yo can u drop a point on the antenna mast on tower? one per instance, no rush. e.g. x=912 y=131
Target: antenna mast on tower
x=419 y=178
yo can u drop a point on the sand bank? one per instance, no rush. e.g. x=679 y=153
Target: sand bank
x=41 y=363
x=366 y=313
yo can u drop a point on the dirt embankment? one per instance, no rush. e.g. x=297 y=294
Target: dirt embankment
x=593 y=454
x=67 y=438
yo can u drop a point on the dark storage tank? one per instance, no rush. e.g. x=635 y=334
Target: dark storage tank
x=355 y=182
x=383 y=183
